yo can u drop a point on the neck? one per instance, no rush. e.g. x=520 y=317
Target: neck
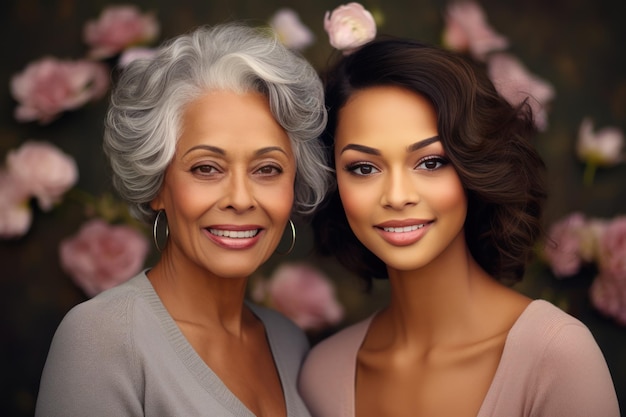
x=441 y=303
x=194 y=297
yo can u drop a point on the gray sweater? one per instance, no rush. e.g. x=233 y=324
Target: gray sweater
x=122 y=354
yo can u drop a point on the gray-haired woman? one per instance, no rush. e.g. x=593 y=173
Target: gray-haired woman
x=215 y=137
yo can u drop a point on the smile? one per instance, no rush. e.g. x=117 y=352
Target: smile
x=404 y=232
x=234 y=234
x=404 y=229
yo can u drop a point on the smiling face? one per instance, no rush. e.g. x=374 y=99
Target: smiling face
x=228 y=191
x=402 y=198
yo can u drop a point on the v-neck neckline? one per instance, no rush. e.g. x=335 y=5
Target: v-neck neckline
x=500 y=370
x=205 y=376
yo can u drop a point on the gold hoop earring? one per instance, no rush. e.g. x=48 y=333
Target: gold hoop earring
x=293 y=239
x=155 y=230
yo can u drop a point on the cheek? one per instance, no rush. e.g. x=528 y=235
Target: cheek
x=451 y=198
x=278 y=199
x=354 y=199
x=182 y=197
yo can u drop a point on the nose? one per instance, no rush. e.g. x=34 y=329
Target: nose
x=400 y=190
x=238 y=192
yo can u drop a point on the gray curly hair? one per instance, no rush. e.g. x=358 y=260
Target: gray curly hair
x=143 y=122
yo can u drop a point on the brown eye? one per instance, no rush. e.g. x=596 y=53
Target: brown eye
x=432 y=163
x=362 y=169
x=268 y=170
x=204 y=169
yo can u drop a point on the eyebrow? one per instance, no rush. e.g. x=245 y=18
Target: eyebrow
x=422 y=144
x=221 y=151
x=373 y=151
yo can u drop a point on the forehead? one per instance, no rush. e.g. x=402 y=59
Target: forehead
x=386 y=113
x=231 y=120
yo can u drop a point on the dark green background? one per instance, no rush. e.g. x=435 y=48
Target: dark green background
x=577 y=45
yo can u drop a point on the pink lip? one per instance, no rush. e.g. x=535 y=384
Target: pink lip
x=403 y=238
x=237 y=243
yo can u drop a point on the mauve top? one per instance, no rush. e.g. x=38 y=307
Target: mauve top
x=551 y=366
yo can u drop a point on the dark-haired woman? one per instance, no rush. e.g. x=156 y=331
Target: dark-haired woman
x=440 y=190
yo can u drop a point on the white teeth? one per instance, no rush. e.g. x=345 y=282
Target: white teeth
x=234 y=234
x=404 y=229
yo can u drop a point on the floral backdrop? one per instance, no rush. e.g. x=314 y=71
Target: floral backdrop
x=65 y=236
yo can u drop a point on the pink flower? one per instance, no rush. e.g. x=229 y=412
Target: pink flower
x=608 y=295
x=43 y=171
x=102 y=256
x=467 y=30
x=117 y=28
x=131 y=54
x=612 y=254
x=516 y=84
x=349 y=27
x=602 y=148
x=290 y=30
x=302 y=294
x=15 y=221
x=15 y=212
x=50 y=86
x=562 y=250
x=590 y=235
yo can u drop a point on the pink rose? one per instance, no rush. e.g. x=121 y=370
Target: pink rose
x=15 y=212
x=102 y=256
x=117 y=28
x=590 y=235
x=349 y=27
x=562 y=249
x=608 y=295
x=15 y=221
x=290 y=30
x=467 y=30
x=608 y=290
x=302 y=294
x=516 y=84
x=602 y=148
x=50 y=86
x=612 y=252
x=43 y=171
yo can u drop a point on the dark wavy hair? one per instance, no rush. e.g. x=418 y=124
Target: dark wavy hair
x=487 y=140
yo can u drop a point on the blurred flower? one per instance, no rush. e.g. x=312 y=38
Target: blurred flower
x=101 y=256
x=590 y=239
x=301 y=293
x=562 y=250
x=15 y=212
x=15 y=221
x=600 y=149
x=291 y=31
x=597 y=241
x=349 y=27
x=603 y=147
x=467 y=30
x=118 y=28
x=516 y=84
x=612 y=254
x=43 y=171
x=608 y=295
x=131 y=54
x=49 y=86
